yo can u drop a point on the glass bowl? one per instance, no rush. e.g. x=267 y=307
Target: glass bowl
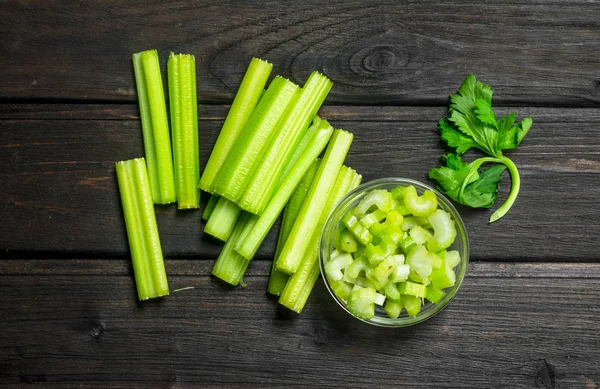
x=461 y=244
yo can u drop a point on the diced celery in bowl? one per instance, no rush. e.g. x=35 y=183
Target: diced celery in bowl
x=394 y=252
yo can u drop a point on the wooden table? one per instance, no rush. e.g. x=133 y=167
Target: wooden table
x=528 y=314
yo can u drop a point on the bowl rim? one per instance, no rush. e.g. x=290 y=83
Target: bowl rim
x=352 y=196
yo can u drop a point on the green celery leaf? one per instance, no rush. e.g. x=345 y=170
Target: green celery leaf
x=450 y=178
x=454 y=162
x=454 y=138
x=484 y=112
x=509 y=135
x=483 y=192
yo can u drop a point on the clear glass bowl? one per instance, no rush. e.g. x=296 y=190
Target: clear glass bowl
x=461 y=243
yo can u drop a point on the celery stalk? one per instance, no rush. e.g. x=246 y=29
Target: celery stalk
x=293 y=126
x=245 y=101
x=210 y=207
x=296 y=245
x=184 y=128
x=230 y=266
x=278 y=279
x=155 y=127
x=244 y=156
x=142 y=231
x=222 y=219
x=321 y=134
x=300 y=284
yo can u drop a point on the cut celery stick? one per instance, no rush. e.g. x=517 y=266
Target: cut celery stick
x=142 y=231
x=296 y=245
x=245 y=101
x=293 y=126
x=244 y=156
x=294 y=295
x=230 y=266
x=278 y=279
x=254 y=238
x=210 y=207
x=184 y=128
x=222 y=219
x=155 y=127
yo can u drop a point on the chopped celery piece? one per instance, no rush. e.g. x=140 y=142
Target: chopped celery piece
x=277 y=279
x=297 y=243
x=362 y=302
x=423 y=205
x=411 y=221
x=246 y=99
x=254 y=238
x=244 y=156
x=434 y=295
x=391 y=291
x=292 y=127
x=290 y=297
x=142 y=231
x=398 y=193
x=443 y=277
x=453 y=258
x=184 y=128
x=378 y=285
x=335 y=267
x=223 y=219
x=377 y=253
x=393 y=308
x=347 y=242
x=444 y=230
x=230 y=266
x=379 y=299
x=372 y=218
x=385 y=268
x=379 y=198
x=420 y=235
x=412 y=289
x=358 y=266
x=210 y=207
x=419 y=260
x=412 y=305
x=407 y=244
x=342 y=289
x=412 y=276
x=155 y=126
x=361 y=232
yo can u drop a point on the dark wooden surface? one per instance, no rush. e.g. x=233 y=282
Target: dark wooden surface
x=528 y=315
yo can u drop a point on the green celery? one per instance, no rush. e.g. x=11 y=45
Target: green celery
x=223 y=219
x=184 y=128
x=293 y=127
x=142 y=231
x=254 y=238
x=155 y=126
x=278 y=279
x=300 y=284
x=244 y=156
x=230 y=266
x=210 y=207
x=245 y=101
x=296 y=245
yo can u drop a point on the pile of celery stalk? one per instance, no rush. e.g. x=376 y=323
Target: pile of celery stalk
x=273 y=156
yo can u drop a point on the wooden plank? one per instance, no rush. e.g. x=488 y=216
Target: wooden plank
x=72 y=329
x=376 y=52
x=58 y=175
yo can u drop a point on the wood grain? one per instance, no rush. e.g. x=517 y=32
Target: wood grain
x=376 y=52
x=60 y=194
x=85 y=328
